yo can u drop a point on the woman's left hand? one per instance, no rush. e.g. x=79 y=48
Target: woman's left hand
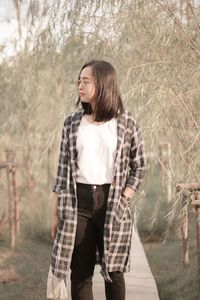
x=128 y=192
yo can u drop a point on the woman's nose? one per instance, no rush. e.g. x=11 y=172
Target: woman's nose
x=81 y=86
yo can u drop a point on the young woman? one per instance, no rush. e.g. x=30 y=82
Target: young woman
x=101 y=166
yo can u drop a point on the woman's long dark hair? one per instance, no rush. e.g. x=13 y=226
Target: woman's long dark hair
x=107 y=98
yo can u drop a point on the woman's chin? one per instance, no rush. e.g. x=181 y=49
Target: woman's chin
x=84 y=100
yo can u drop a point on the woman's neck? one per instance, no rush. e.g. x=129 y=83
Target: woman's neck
x=90 y=118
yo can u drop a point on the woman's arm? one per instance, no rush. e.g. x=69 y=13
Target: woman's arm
x=60 y=183
x=136 y=163
x=61 y=173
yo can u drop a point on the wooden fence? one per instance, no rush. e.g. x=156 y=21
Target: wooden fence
x=190 y=195
x=13 y=210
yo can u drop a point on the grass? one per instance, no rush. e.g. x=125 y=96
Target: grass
x=31 y=261
x=32 y=255
x=174 y=281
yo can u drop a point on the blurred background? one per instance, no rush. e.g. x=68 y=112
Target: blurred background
x=155 y=49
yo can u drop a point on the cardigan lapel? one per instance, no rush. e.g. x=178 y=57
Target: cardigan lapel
x=76 y=119
x=121 y=125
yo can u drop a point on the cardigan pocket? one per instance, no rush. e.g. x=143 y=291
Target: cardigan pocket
x=120 y=212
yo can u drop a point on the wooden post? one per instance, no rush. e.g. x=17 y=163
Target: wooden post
x=185 y=229
x=15 y=200
x=13 y=212
x=190 y=194
x=196 y=204
x=11 y=206
x=198 y=240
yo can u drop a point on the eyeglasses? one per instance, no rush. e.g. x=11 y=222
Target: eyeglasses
x=84 y=82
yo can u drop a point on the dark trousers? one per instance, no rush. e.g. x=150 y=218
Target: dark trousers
x=92 y=202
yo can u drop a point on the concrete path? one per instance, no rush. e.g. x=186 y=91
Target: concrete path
x=140 y=284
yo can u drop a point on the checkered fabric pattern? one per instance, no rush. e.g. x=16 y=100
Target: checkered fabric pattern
x=129 y=169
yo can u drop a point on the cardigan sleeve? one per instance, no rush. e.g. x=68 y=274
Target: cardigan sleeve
x=60 y=183
x=136 y=159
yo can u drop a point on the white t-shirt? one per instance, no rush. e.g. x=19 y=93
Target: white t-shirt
x=96 y=146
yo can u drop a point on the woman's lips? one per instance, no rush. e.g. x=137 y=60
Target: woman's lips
x=81 y=94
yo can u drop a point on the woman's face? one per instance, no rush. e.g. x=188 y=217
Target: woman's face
x=86 y=85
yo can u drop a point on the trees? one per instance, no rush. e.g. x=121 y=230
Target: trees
x=154 y=46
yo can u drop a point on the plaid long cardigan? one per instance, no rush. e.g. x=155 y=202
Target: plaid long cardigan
x=129 y=167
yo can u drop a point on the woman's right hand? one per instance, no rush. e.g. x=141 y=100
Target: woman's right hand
x=54 y=227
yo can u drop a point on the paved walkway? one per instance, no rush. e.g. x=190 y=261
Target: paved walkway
x=140 y=284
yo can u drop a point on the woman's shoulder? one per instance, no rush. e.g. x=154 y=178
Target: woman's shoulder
x=73 y=116
x=131 y=120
